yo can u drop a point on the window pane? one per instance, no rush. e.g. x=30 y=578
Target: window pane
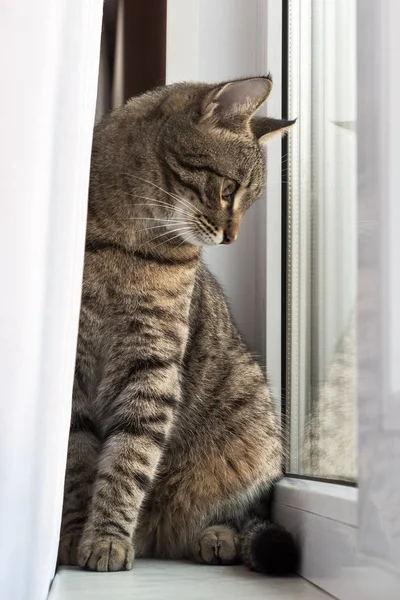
x=322 y=232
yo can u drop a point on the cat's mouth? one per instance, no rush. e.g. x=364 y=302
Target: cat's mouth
x=196 y=229
x=199 y=236
x=208 y=234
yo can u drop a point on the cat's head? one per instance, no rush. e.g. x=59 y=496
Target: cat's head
x=191 y=160
x=213 y=159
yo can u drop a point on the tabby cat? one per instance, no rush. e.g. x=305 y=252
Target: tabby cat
x=173 y=435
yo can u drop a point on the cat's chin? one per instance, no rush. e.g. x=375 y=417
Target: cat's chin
x=202 y=243
x=198 y=243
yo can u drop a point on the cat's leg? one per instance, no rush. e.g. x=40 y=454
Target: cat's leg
x=138 y=400
x=212 y=478
x=83 y=451
x=81 y=470
x=217 y=545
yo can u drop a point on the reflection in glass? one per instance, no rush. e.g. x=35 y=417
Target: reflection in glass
x=323 y=238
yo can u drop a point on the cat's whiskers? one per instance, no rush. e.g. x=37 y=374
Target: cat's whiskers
x=179 y=229
x=186 y=203
x=151 y=183
x=167 y=206
x=161 y=189
x=183 y=213
x=191 y=235
x=159 y=226
x=170 y=239
x=165 y=222
x=276 y=182
x=146 y=219
x=188 y=210
x=171 y=206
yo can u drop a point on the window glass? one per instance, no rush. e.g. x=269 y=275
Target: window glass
x=322 y=239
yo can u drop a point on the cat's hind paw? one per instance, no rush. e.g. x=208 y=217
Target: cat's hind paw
x=217 y=545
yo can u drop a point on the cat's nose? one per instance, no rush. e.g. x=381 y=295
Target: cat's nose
x=229 y=237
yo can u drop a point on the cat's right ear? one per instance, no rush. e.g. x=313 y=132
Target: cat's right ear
x=232 y=105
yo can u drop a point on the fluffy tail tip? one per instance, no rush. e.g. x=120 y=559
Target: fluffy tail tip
x=273 y=551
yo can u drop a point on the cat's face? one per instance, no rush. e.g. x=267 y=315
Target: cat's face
x=214 y=164
x=215 y=178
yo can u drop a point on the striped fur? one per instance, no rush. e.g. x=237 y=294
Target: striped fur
x=173 y=429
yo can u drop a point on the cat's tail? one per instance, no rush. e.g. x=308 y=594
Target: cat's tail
x=268 y=548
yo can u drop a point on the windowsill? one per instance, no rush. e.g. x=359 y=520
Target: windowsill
x=323 y=519
x=170 y=580
x=330 y=500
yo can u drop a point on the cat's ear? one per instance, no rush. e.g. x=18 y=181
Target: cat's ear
x=265 y=127
x=236 y=101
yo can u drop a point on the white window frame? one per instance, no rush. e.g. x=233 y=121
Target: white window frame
x=346 y=535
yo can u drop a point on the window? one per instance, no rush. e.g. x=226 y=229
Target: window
x=321 y=171
x=340 y=354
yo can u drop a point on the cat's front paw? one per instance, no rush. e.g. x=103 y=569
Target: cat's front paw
x=68 y=549
x=105 y=553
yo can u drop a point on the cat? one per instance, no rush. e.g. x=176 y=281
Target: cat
x=173 y=436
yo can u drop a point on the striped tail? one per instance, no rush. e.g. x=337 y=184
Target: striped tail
x=268 y=548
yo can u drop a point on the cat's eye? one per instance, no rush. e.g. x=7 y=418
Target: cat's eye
x=229 y=189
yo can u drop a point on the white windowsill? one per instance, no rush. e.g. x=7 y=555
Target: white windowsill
x=332 y=501
x=323 y=519
x=171 y=580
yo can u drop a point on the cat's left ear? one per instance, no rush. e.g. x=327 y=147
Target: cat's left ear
x=237 y=100
x=265 y=127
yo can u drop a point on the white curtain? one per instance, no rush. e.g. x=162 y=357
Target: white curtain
x=49 y=66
